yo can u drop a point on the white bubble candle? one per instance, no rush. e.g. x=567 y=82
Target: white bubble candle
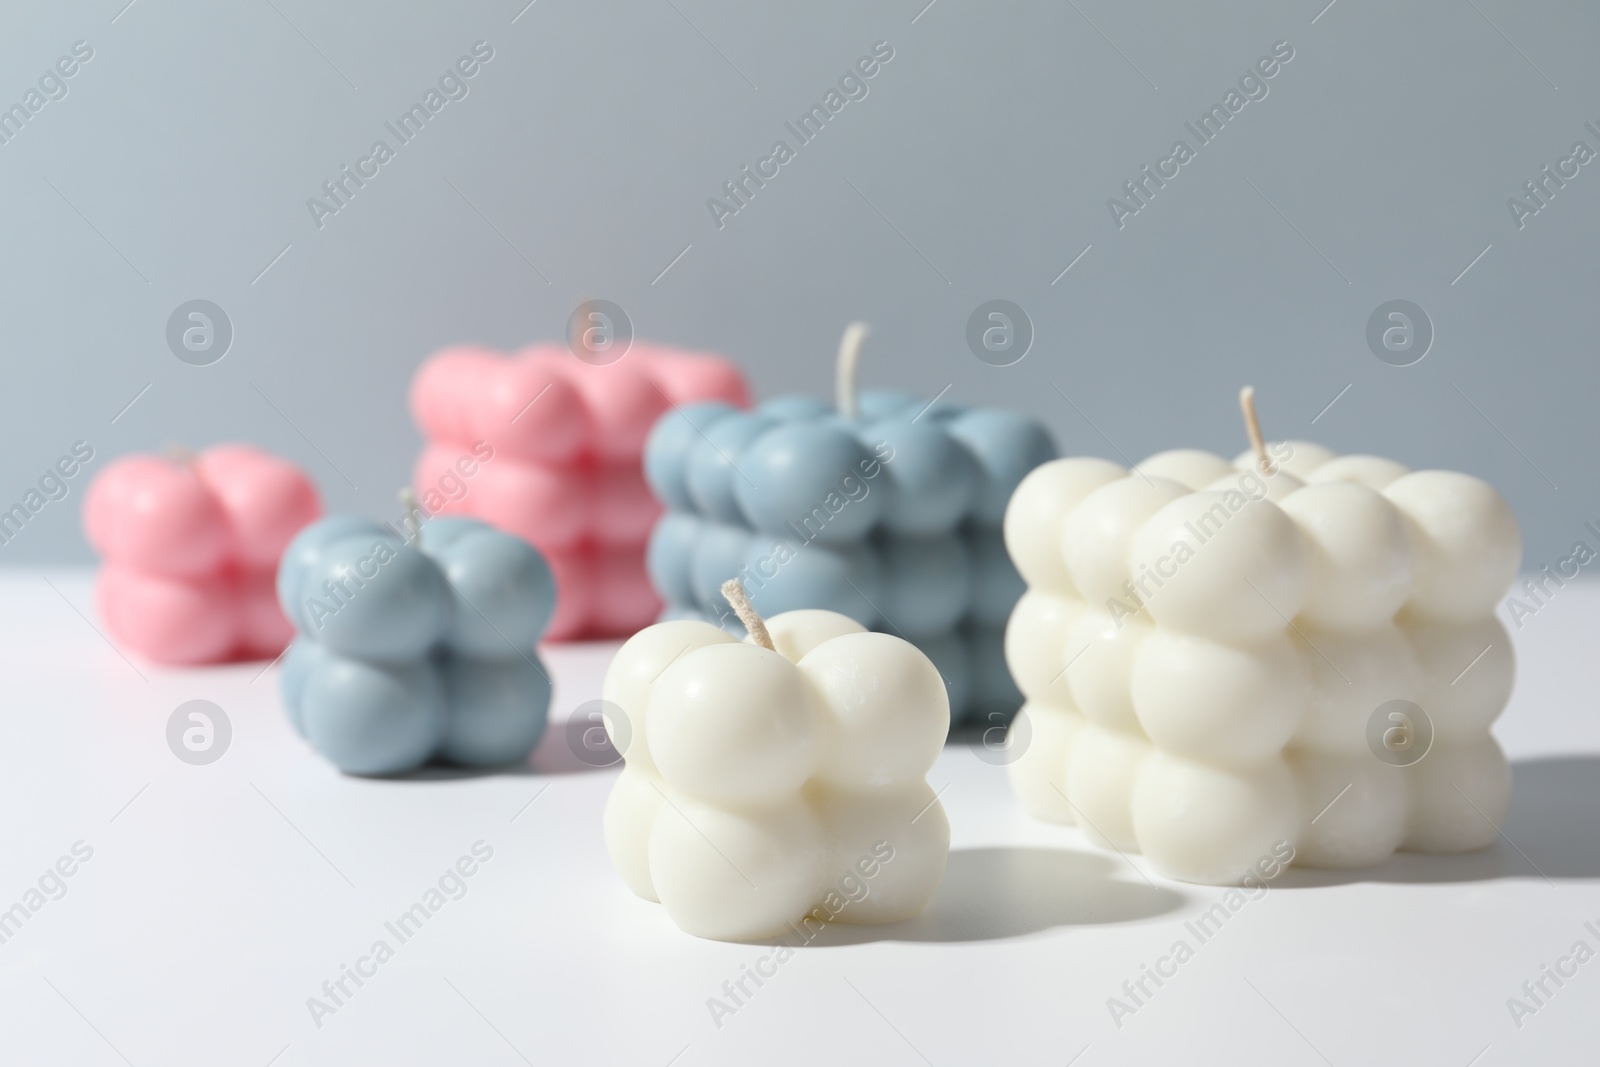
x=1292 y=648
x=777 y=782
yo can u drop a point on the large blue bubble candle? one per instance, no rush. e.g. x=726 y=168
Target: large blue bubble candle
x=415 y=645
x=882 y=507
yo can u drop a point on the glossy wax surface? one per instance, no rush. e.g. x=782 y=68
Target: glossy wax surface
x=411 y=650
x=546 y=446
x=1229 y=672
x=769 y=789
x=191 y=547
x=891 y=517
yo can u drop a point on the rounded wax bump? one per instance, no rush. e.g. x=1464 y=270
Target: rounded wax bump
x=1355 y=809
x=712 y=469
x=1007 y=446
x=1187 y=466
x=1351 y=675
x=1466 y=546
x=1264 y=629
x=1360 y=558
x=885 y=508
x=666 y=450
x=761 y=866
x=1374 y=472
x=265 y=500
x=1099 y=782
x=1209 y=565
x=804 y=480
x=547 y=506
x=1100 y=651
x=767 y=788
x=706 y=732
x=1460 y=795
x=1449 y=654
x=1094 y=538
x=796 y=633
x=410 y=652
x=920 y=606
x=168 y=620
x=571 y=457
x=1037 y=511
x=1036 y=644
x=373 y=718
x=1044 y=735
x=192 y=548
x=786 y=577
x=930 y=484
x=157 y=515
x=1221 y=703
x=885 y=714
x=1201 y=823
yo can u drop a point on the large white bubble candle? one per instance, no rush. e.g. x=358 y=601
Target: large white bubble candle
x=779 y=782
x=1289 y=656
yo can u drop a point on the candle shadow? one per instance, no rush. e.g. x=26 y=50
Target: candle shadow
x=554 y=755
x=989 y=894
x=1551 y=832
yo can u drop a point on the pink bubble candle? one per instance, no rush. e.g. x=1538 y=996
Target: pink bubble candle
x=565 y=439
x=191 y=546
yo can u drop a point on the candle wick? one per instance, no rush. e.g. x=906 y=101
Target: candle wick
x=179 y=453
x=733 y=590
x=413 y=514
x=845 y=367
x=1252 y=426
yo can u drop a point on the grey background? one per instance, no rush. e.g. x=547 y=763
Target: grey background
x=179 y=166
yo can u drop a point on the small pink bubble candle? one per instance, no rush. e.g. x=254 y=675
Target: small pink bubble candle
x=547 y=446
x=191 y=546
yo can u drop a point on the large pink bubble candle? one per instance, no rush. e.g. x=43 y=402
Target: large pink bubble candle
x=548 y=447
x=191 y=546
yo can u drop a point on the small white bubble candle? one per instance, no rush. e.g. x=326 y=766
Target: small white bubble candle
x=779 y=779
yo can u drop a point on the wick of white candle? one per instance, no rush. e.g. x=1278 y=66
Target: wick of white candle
x=1252 y=426
x=733 y=590
x=845 y=367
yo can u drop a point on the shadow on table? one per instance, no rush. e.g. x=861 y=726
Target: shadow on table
x=988 y=894
x=1552 y=831
x=555 y=755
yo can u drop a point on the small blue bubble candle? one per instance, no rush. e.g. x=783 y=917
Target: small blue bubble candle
x=885 y=508
x=415 y=645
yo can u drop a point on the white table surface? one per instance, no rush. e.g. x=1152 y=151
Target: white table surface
x=220 y=897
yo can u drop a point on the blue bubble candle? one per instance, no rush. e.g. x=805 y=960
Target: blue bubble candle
x=416 y=645
x=883 y=508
